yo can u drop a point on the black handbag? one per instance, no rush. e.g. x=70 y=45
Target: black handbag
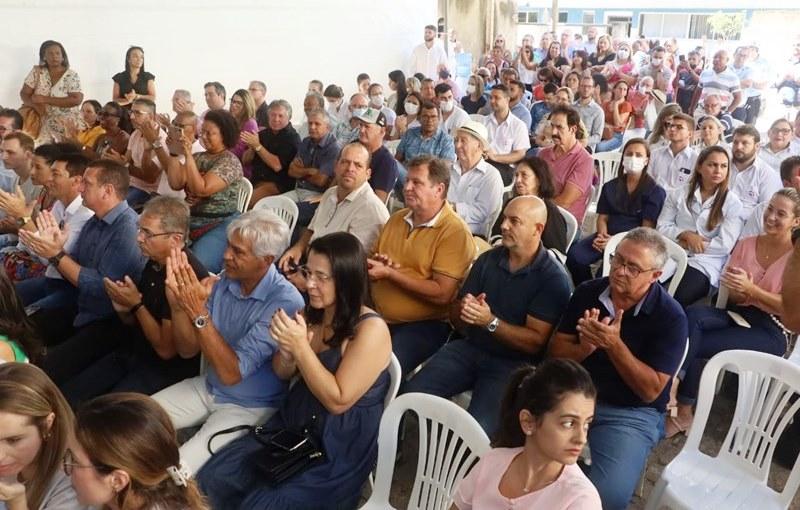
x=284 y=453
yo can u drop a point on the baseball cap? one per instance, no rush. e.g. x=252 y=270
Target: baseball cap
x=372 y=116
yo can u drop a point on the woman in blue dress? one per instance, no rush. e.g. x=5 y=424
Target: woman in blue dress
x=339 y=349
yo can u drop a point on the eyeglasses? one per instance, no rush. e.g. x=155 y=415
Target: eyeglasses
x=784 y=131
x=628 y=268
x=317 y=276
x=674 y=125
x=68 y=464
x=149 y=235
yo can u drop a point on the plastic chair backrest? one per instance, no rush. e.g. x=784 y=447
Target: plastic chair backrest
x=477 y=117
x=767 y=384
x=450 y=443
x=608 y=162
x=674 y=251
x=245 y=192
x=391 y=146
x=395 y=378
x=284 y=207
x=572 y=225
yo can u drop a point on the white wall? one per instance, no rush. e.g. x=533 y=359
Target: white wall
x=284 y=43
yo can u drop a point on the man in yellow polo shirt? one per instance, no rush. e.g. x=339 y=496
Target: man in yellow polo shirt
x=421 y=255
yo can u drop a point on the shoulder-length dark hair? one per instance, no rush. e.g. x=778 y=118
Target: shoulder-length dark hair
x=227 y=124
x=95 y=104
x=14 y=322
x=715 y=217
x=349 y=272
x=541 y=170
x=399 y=78
x=538 y=390
x=127 y=56
x=43 y=49
x=645 y=181
x=123 y=116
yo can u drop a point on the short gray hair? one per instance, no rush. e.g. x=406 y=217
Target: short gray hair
x=267 y=233
x=183 y=94
x=282 y=103
x=172 y=213
x=651 y=239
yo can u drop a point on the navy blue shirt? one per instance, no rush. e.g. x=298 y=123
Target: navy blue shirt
x=626 y=212
x=384 y=170
x=540 y=289
x=321 y=155
x=656 y=334
x=106 y=247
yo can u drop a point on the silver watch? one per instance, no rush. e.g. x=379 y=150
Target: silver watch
x=492 y=326
x=157 y=144
x=200 y=321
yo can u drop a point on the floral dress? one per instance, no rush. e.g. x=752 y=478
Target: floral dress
x=52 y=123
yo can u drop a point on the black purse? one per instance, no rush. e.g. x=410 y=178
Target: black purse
x=284 y=453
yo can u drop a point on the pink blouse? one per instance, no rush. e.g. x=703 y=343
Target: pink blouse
x=769 y=279
x=480 y=489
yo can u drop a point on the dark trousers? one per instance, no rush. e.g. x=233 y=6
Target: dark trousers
x=748 y=112
x=693 y=287
x=415 y=342
x=580 y=257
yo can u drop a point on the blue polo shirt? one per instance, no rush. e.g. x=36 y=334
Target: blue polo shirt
x=626 y=212
x=440 y=144
x=540 y=289
x=321 y=155
x=522 y=114
x=539 y=111
x=655 y=331
x=243 y=322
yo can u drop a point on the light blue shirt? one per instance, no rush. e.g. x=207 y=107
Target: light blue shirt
x=243 y=322
x=413 y=144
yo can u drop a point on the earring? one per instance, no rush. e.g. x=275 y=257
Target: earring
x=528 y=432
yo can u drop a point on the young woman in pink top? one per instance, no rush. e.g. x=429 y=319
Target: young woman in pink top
x=545 y=417
x=753 y=278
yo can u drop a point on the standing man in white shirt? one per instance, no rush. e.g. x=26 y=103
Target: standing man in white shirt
x=453 y=117
x=752 y=179
x=672 y=166
x=508 y=136
x=429 y=57
x=476 y=188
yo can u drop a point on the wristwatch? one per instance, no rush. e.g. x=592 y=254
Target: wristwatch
x=492 y=326
x=22 y=221
x=157 y=144
x=200 y=321
x=55 y=260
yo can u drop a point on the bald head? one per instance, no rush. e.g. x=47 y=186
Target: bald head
x=523 y=222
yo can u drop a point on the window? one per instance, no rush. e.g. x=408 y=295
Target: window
x=563 y=16
x=692 y=26
x=588 y=17
x=527 y=17
x=699 y=27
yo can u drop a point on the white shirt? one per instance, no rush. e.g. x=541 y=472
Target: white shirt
x=754 y=225
x=672 y=171
x=457 y=118
x=361 y=213
x=774 y=159
x=677 y=217
x=507 y=136
x=427 y=60
x=74 y=216
x=477 y=195
x=754 y=185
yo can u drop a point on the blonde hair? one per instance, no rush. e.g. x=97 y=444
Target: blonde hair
x=131 y=432
x=27 y=391
x=248 y=108
x=669 y=110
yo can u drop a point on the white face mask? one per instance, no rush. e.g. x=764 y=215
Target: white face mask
x=634 y=164
x=656 y=61
x=470 y=89
x=447 y=106
x=623 y=54
x=359 y=111
x=332 y=108
x=377 y=101
x=411 y=108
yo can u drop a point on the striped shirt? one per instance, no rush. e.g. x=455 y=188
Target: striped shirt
x=726 y=84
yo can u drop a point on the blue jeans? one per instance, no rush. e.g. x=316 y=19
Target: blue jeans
x=46 y=293
x=137 y=197
x=414 y=342
x=210 y=247
x=613 y=143
x=711 y=331
x=460 y=366
x=580 y=257
x=620 y=440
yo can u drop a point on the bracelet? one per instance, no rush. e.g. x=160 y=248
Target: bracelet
x=259 y=148
x=135 y=308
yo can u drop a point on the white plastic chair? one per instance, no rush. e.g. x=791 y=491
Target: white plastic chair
x=284 y=207
x=391 y=146
x=477 y=117
x=608 y=163
x=675 y=252
x=450 y=443
x=395 y=378
x=245 y=192
x=737 y=477
x=572 y=225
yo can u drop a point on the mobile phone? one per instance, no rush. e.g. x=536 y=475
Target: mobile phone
x=288 y=440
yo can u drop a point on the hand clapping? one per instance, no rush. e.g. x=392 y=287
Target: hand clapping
x=291 y=333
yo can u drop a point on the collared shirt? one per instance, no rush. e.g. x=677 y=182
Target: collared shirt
x=625 y=212
x=522 y=114
x=427 y=60
x=539 y=111
x=670 y=170
x=594 y=118
x=677 y=217
x=655 y=332
x=457 y=118
x=507 y=136
x=444 y=246
x=413 y=144
x=106 y=248
x=73 y=217
x=540 y=290
x=477 y=195
x=754 y=225
x=243 y=322
x=576 y=167
x=725 y=84
x=345 y=133
x=361 y=213
x=754 y=185
x=136 y=147
x=321 y=155
x=774 y=159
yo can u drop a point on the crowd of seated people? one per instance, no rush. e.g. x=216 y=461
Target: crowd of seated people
x=132 y=266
